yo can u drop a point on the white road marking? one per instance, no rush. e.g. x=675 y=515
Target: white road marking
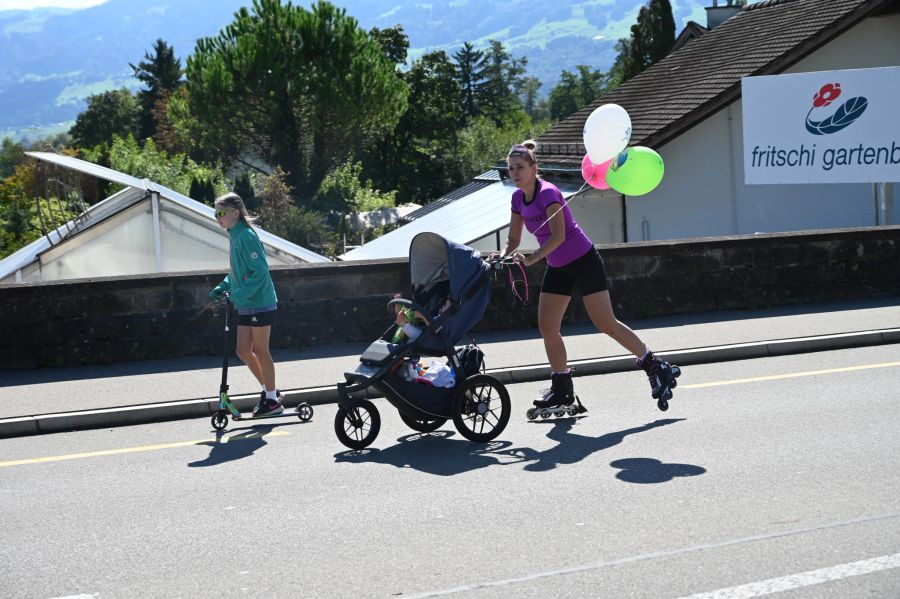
x=804 y=579
x=649 y=556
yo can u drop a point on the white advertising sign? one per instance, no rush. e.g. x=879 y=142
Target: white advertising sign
x=823 y=127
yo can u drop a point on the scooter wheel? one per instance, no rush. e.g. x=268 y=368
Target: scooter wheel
x=305 y=412
x=219 y=420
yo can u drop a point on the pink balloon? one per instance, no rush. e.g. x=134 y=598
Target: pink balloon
x=595 y=174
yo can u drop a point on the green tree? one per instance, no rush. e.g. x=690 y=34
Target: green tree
x=504 y=80
x=652 y=38
x=298 y=89
x=243 y=186
x=279 y=216
x=410 y=159
x=202 y=190
x=161 y=73
x=471 y=75
x=660 y=30
x=19 y=224
x=107 y=114
x=530 y=99
x=12 y=154
x=177 y=172
x=274 y=195
x=166 y=134
x=393 y=41
x=575 y=90
x=344 y=191
x=482 y=142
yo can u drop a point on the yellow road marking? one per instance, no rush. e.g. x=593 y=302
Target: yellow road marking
x=105 y=452
x=778 y=377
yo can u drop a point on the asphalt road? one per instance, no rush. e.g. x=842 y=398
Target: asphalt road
x=788 y=481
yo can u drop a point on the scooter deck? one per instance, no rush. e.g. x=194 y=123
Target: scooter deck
x=227 y=410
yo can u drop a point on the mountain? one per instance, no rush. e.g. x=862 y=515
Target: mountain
x=51 y=60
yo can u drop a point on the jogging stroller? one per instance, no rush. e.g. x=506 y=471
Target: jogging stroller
x=451 y=287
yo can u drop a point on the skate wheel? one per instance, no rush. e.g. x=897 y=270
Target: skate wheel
x=531 y=414
x=305 y=412
x=663 y=405
x=219 y=420
x=571 y=411
x=545 y=414
x=557 y=414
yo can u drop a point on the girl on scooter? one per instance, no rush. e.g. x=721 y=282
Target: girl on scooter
x=250 y=286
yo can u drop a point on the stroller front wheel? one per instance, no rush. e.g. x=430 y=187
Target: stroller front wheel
x=481 y=408
x=358 y=426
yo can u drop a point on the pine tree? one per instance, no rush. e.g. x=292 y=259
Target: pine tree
x=652 y=37
x=504 y=78
x=471 y=71
x=160 y=72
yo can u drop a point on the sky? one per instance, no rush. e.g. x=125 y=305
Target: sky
x=19 y=4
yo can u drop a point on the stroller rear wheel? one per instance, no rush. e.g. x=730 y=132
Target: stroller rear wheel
x=358 y=426
x=481 y=408
x=423 y=425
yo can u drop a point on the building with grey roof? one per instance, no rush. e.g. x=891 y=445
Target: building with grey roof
x=143 y=228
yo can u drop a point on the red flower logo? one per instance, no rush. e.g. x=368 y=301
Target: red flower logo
x=828 y=94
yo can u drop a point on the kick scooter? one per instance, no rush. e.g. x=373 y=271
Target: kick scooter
x=219 y=420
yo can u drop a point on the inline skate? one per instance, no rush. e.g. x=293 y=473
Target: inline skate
x=558 y=400
x=662 y=376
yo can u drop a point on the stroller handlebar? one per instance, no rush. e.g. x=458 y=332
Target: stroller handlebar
x=498 y=262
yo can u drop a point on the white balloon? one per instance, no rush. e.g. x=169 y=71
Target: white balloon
x=607 y=132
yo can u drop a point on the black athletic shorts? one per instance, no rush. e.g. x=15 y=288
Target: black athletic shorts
x=260 y=319
x=587 y=272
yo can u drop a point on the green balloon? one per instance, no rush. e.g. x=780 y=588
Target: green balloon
x=640 y=173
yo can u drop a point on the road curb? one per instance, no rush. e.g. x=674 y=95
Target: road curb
x=203 y=407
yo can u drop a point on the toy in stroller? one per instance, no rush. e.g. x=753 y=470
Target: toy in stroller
x=451 y=287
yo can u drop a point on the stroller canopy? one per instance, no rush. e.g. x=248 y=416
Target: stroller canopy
x=443 y=270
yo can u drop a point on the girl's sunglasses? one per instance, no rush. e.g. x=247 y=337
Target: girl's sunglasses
x=221 y=213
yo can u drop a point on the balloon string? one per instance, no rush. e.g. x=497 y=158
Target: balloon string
x=565 y=203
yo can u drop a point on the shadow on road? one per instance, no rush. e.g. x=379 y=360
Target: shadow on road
x=572 y=448
x=232 y=445
x=434 y=453
x=644 y=471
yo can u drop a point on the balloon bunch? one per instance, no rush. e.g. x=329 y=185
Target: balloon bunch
x=610 y=163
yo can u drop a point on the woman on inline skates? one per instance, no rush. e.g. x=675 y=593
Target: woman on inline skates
x=572 y=260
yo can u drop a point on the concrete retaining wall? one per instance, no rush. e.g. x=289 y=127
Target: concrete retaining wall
x=150 y=317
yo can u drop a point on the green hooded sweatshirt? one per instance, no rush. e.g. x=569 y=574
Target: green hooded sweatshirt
x=249 y=281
